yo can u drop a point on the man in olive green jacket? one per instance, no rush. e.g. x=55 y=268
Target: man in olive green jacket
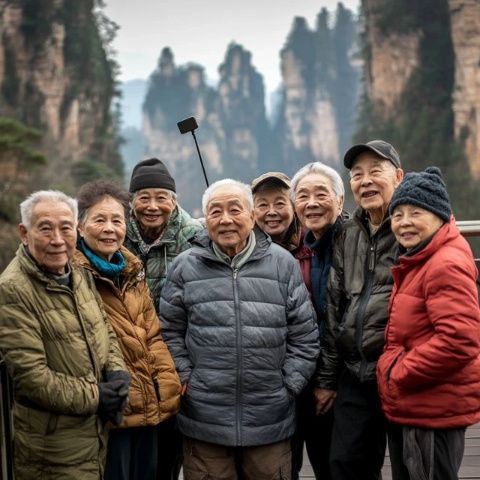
x=68 y=373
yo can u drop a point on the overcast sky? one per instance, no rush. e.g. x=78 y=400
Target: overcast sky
x=200 y=31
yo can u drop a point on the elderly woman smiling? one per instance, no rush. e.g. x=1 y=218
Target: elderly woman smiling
x=429 y=373
x=154 y=393
x=273 y=208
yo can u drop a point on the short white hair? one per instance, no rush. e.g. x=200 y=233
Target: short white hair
x=27 y=206
x=321 y=168
x=246 y=190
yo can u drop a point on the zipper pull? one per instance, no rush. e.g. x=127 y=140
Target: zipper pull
x=371 y=263
x=235 y=271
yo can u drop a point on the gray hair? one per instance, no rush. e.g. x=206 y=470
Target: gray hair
x=27 y=206
x=246 y=190
x=321 y=168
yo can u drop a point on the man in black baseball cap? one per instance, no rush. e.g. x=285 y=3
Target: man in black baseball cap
x=380 y=147
x=359 y=288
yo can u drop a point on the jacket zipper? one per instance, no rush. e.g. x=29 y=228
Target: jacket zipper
x=240 y=359
x=362 y=307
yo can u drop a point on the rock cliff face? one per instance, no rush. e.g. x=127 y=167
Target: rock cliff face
x=422 y=88
x=313 y=120
x=55 y=76
x=232 y=119
x=393 y=56
x=319 y=90
x=466 y=96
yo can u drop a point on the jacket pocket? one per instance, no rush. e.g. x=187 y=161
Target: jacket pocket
x=392 y=364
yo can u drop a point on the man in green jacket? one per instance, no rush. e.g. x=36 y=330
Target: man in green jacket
x=68 y=373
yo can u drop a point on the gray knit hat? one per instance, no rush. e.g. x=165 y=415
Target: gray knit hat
x=151 y=173
x=426 y=190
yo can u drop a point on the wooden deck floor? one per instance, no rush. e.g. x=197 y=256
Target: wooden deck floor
x=470 y=469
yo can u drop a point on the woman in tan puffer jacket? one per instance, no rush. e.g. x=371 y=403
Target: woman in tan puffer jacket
x=154 y=394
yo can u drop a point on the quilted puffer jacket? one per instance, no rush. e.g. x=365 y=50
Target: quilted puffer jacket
x=429 y=373
x=57 y=345
x=244 y=340
x=154 y=393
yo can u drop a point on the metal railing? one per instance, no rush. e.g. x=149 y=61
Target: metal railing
x=469 y=228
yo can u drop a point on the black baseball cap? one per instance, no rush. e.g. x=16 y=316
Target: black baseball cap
x=380 y=147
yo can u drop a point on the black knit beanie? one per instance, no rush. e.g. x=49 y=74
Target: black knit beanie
x=151 y=173
x=426 y=190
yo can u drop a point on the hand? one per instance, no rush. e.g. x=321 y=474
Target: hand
x=183 y=390
x=112 y=399
x=324 y=398
x=118 y=375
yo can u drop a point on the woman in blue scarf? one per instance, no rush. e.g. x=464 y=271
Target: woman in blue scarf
x=154 y=393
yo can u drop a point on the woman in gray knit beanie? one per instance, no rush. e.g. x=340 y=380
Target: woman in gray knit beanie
x=429 y=373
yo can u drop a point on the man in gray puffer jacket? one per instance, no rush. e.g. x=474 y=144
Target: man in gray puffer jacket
x=241 y=328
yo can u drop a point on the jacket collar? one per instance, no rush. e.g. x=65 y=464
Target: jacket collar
x=133 y=269
x=202 y=245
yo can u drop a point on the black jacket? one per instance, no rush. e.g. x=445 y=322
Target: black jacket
x=360 y=284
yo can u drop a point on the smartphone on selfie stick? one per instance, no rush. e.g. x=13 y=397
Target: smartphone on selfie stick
x=190 y=125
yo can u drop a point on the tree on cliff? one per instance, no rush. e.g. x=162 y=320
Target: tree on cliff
x=19 y=158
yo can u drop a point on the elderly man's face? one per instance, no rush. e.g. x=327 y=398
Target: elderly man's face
x=316 y=204
x=52 y=235
x=373 y=181
x=229 y=219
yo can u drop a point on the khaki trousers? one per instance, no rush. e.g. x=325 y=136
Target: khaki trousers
x=208 y=461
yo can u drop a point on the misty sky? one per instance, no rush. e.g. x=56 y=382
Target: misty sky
x=201 y=31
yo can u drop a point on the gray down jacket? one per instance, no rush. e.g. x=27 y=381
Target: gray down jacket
x=244 y=341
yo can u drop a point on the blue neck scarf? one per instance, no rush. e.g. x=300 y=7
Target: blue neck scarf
x=110 y=269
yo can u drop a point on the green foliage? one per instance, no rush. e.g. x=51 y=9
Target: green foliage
x=324 y=56
x=302 y=41
x=87 y=170
x=19 y=158
x=10 y=82
x=88 y=52
x=400 y=16
x=37 y=19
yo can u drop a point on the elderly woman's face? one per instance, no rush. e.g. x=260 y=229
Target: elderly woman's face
x=316 y=204
x=411 y=225
x=152 y=208
x=103 y=229
x=229 y=219
x=273 y=211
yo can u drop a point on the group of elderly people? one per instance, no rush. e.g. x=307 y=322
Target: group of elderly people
x=140 y=342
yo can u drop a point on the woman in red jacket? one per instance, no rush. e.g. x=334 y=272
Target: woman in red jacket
x=429 y=372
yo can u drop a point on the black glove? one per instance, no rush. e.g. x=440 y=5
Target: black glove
x=113 y=396
x=118 y=375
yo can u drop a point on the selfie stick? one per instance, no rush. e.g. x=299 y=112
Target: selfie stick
x=190 y=125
